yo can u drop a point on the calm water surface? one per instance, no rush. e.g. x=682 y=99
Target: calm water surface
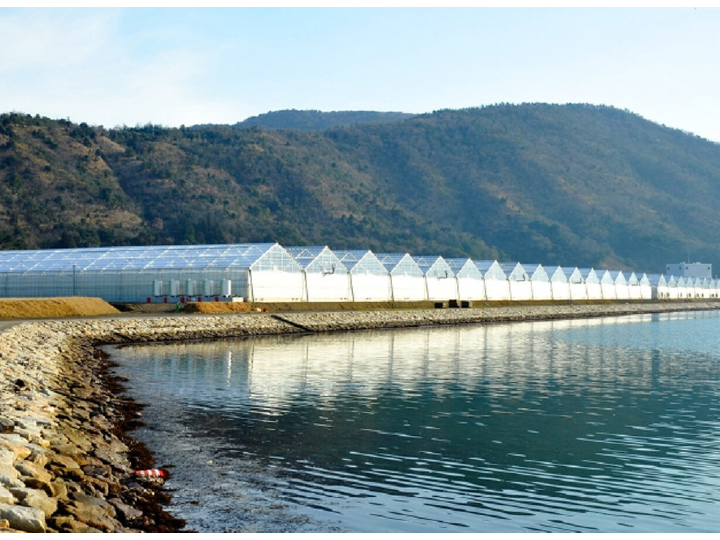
x=605 y=425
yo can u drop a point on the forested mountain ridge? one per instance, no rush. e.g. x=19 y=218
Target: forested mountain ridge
x=570 y=185
x=318 y=120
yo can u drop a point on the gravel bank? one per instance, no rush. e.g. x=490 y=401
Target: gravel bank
x=65 y=462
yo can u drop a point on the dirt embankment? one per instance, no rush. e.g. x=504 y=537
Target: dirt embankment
x=46 y=308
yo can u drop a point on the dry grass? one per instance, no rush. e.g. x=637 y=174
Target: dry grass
x=44 y=308
x=216 y=307
x=283 y=307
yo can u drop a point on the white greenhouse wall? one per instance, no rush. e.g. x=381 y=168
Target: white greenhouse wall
x=471 y=289
x=608 y=291
x=635 y=292
x=441 y=289
x=277 y=286
x=622 y=291
x=327 y=287
x=585 y=291
x=520 y=290
x=370 y=288
x=408 y=288
x=659 y=292
x=541 y=290
x=497 y=289
x=560 y=290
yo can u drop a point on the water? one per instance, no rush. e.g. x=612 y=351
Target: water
x=602 y=425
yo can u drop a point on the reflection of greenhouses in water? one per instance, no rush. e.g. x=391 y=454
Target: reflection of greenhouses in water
x=369 y=280
x=325 y=278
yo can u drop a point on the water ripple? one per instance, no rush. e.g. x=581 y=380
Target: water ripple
x=606 y=426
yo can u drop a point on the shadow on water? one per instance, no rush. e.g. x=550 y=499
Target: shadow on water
x=603 y=425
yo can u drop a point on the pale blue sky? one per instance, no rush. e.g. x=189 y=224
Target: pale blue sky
x=176 y=66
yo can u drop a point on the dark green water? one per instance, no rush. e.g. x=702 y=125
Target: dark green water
x=603 y=425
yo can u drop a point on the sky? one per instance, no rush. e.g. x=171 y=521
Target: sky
x=173 y=67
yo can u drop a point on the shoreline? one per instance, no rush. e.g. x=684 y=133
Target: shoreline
x=66 y=461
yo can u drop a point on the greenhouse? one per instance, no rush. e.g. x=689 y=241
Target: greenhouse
x=439 y=278
x=406 y=279
x=645 y=288
x=539 y=281
x=559 y=285
x=496 y=283
x=658 y=286
x=633 y=283
x=270 y=273
x=708 y=288
x=518 y=281
x=259 y=272
x=673 y=290
x=622 y=291
x=325 y=279
x=681 y=286
x=470 y=284
x=577 y=281
x=369 y=280
x=607 y=285
x=593 y=290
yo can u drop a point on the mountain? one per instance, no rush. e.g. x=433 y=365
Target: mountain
x=317 y=120
x=571 y=185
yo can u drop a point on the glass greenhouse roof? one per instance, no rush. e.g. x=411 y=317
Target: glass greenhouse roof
x=589 y=275
x=316 y=259
x=490 y=269
x=135 y=258
x=514 y=271
x=350 y=258
x=458 y=265
x=536 y=272
x=391 y=260
x=305 y=255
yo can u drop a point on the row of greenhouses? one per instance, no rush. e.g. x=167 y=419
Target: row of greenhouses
x=272 y=273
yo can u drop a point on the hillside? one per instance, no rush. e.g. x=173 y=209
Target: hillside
x=570 y=185
x=318 y=120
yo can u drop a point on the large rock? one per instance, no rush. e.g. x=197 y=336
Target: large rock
x=126 y=513
x=65 y=462
x=95 y=515
x=10 y=481
x=21 y=452
x=5 y=496
x=33 y=471
x=24 y=518
x=35 y=498
x=7 y=456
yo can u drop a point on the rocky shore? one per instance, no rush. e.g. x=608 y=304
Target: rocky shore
x=66 y=463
